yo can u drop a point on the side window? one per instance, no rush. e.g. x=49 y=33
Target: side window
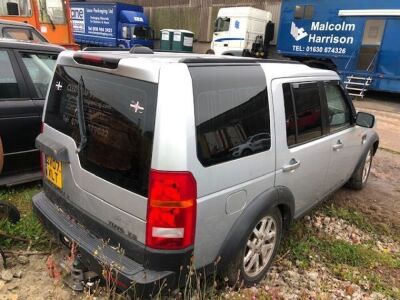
x=17 y=33
x=37 y=38
x=289 y=114
x=231 y=112
x=303 y=112
x=304 y=12
x=51 y=11
x=299 y=12
x=338 y=110
x=40 y=68
x=8 y=82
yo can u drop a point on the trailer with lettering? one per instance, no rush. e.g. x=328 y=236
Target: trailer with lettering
x=359 y=39
x=110 y=24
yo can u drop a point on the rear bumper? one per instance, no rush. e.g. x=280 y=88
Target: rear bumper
x=93 y=251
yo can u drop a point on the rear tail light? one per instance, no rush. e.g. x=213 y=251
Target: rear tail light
x=171 y=210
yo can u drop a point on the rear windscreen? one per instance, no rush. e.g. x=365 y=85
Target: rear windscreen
x=119 y=117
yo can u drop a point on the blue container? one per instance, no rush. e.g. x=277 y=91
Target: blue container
x=359 y=38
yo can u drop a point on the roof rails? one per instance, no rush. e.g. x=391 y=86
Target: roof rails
x=105 y=49
x=203 y=60
x=136 y=49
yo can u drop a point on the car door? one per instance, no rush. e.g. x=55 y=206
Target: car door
x=37 y=70
x=345 y=138
x=303 y=152
x=18 y=117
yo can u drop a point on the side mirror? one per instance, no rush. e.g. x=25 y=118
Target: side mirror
x=269 y=32
x=365 y=120
x=125 y=32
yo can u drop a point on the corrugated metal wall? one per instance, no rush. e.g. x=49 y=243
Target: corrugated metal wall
x=197 y=15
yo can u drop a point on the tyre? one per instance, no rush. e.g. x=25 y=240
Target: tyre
x=257 y=251
x=361 y=174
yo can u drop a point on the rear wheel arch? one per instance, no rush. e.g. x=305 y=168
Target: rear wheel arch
x=376 y=145
x=277 y=197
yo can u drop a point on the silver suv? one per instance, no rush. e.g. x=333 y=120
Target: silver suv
x=137 y=150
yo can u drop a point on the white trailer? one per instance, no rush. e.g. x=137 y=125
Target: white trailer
x=238 y=29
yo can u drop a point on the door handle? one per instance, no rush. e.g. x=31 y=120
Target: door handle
x=293 y=165
x=338 y=146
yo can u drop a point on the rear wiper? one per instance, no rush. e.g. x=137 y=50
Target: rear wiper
x=81 y=116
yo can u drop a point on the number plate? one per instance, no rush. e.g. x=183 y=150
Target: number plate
x=54 y=171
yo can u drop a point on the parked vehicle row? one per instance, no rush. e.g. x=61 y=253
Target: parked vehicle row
x=137 y=150
x=25 y=73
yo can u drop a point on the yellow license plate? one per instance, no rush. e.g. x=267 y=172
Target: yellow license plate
x=54 y=171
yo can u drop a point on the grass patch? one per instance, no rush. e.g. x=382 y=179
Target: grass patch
x=352 y=262
x=304 y=243
x=28 y=227
x=360 y=220
x=365 y=277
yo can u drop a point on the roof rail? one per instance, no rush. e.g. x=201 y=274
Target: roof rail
x=104 y=49
x=203 y=60
x=139 y=49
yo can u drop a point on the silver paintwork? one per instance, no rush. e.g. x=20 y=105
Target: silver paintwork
x=226 y=189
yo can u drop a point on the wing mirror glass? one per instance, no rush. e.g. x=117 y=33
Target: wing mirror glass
x=365 y=120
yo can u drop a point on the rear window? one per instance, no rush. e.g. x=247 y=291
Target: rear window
x=119 y=118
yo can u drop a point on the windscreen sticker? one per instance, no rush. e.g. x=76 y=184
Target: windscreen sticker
x=136 y=107
x=58 y=86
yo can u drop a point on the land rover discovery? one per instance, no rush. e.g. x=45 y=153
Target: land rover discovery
x=136 y=151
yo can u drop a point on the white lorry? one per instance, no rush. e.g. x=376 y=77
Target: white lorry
x=242 y=31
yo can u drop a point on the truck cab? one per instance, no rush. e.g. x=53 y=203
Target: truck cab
x=237 y=28
x=110 y=25
x=134 y=29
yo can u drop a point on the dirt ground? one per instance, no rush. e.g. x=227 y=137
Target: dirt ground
x=381 y=198
x=380 y=201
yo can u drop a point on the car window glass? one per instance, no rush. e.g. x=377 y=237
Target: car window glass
x=51 y=11
x=231 y=112
x=40 y=69
x=308 y=111
x=289 y=114
x=303 y=112
x=222 y=24
x=299 y=12
x=8 y=82
x=338 y=110
x=119 y=114
x=37 y=38
x=17 y=33
x=10 y=8
x=309 y=12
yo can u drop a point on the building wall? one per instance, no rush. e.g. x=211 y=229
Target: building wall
x=196 y=15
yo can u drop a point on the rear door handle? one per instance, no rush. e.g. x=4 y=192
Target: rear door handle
x=293 y=165
x=338 y=146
